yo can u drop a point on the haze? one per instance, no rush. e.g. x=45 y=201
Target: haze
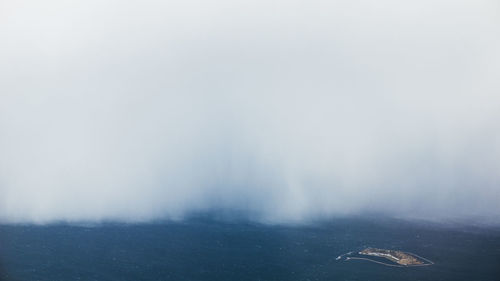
x=286 y=111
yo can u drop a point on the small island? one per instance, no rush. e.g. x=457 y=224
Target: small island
x=387 y=257
x=398 y=257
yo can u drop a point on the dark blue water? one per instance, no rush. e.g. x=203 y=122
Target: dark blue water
x=207 y=249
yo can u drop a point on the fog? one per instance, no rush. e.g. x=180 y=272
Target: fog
x=285 y=111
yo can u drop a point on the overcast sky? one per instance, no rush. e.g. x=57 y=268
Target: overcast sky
x=283 y=110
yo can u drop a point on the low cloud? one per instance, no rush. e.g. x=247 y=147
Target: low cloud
x=285 y=111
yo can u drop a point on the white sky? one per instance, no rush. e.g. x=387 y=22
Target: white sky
x=288 y=110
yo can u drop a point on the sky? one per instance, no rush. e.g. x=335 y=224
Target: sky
x=285 y=111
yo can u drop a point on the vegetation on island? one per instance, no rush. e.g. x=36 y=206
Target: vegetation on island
x=394 y=257
x=398 y=257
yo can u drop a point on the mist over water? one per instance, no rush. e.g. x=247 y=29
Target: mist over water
x=285 y=111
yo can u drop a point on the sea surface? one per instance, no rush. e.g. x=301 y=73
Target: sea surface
x=204 y=248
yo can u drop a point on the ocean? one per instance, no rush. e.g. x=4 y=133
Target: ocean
x=205 y=248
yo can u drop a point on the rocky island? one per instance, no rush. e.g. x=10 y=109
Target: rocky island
x=387 y=257
x=398 y=257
